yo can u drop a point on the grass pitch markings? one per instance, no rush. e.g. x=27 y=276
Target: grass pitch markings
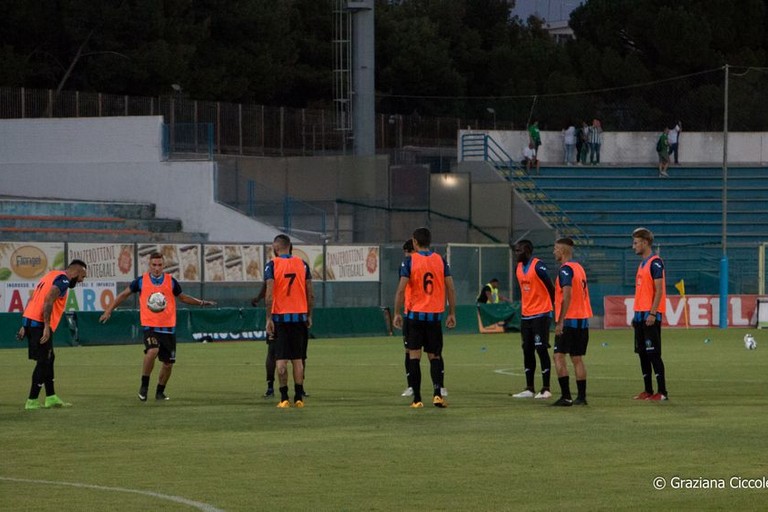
x=177 y=499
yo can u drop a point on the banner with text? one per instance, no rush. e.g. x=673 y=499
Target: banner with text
x=352 y=263
x=106 y=262
x=700 y=311
x=182 y=261
x=28 y=261
x=87 y=296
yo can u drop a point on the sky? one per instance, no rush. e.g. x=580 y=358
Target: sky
x=550 y=10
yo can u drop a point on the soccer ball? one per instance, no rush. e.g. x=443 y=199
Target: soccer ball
x=749 y=342
x=156 y=302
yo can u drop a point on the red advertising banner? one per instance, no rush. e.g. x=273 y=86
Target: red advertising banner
x=698 y=310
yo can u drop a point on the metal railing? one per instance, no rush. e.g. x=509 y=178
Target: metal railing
x=188 y=141
x=482 y=145
x=244 y=129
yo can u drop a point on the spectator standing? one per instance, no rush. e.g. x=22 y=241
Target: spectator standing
x=584 y=141
x=674 y=141
x=662 y=149
x=529 y=158
x=569 y=141
x=595 y=141
x=535 y=135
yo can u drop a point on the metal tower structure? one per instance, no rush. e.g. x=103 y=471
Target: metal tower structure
x=353 y=74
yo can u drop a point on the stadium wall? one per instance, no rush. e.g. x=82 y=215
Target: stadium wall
x=117 y=159
x=633 y=148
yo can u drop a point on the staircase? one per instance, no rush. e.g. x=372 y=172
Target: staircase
x=39 y=220
x=482 y=146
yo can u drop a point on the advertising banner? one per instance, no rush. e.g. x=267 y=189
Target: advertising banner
x=691 y=310
x=106 y=262
x=87 y=296
x=234 y=263
x=182 y=261
x=352 y=263
x=312 y=256
x=28 y=261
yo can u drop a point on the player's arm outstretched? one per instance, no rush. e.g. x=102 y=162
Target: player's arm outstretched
x=193 y=301
x=118 y=300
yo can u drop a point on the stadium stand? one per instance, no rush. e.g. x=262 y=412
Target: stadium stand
x=87 y=221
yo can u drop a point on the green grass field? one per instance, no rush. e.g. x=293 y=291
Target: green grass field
x=358 y=446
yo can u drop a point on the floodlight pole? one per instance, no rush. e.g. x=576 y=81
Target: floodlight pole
x=724 y=241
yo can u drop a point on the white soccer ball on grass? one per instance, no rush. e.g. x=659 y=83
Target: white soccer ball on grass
x=156 y=302
x=749 y=342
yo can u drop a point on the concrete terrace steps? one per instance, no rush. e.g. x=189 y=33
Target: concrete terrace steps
x=11 y=205
x=87 y=221
x=651 y=205
x=675 y=171
x=683 y=210
x=94 y=223
x=97 y=235
x=660 y=191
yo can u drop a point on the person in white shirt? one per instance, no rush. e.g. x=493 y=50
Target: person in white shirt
x=674 y=140
x=569 y=140
x=529 y=158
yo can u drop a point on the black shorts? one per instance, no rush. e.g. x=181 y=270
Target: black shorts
x=426 y=335
x=535 y=332
x=573 y=341
x=36 y=351
x=291 y=340
x=647 y=339
x=165 y=342
x=405 y=332
x=270 y=347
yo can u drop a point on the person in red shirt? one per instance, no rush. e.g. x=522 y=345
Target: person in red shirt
x=650 y=306
x=427 y=278
x=39 y=321
x=290 y=300
x=159 y=326
x=572 y=313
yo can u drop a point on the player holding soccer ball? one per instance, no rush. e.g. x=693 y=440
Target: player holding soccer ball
x=650 y=305
x=158 y=322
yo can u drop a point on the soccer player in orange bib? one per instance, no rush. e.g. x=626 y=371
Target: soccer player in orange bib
x=427 y=277
x=160 y=325
x=39 y=321
x=572 y=313
x=537 y=295
x=650 y=306
x=290 y=300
